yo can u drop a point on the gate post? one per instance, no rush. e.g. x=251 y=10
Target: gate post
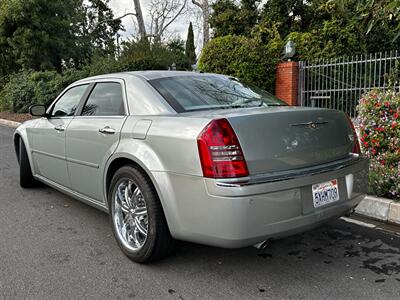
x=286 y=83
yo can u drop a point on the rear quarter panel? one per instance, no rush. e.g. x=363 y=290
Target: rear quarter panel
x=170 y=144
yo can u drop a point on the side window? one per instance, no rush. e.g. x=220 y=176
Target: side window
x=105 y=100
x=68 y=103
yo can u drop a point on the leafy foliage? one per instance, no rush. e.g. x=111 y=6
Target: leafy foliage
x=28 y=87
x=379 y=114
x=143 y=55
x=242 y=57
x=45 y=35
x=228 y=18
x=35 y=87
x=37 y=33
x=320 y=28
x=378 y=12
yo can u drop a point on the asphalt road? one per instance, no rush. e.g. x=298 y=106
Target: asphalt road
x=54 y=247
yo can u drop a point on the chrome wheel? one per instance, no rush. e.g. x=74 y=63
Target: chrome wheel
x=130 y=215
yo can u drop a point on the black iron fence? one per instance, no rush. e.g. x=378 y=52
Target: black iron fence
x=340 y=83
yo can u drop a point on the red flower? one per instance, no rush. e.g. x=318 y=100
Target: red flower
x=365 y=135
x=396 y=115
x=394 y=124
x=387 y=104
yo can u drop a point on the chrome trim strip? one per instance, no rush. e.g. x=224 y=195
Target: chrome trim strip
x=48 y=154
x=76 y=161
x=292 y=174
x=76 y=195
x=84 y=163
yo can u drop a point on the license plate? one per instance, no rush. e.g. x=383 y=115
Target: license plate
x=325 y=192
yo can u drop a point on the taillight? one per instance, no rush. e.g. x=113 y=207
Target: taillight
x=220 y=153
x=356 y=146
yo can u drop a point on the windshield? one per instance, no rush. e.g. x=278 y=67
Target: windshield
x=203 y=92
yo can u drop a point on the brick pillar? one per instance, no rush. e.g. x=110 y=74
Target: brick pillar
x=286 y=83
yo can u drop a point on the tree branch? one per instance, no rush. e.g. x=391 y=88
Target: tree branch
x=174 y=18
x=197 y=3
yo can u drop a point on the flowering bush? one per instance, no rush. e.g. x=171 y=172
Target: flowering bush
x=379 y=118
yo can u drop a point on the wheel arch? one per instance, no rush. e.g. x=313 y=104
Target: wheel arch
x=123 y=159
x=20 y=135
x=17 y=138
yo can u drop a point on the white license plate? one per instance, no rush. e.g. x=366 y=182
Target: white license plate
x=325 y=192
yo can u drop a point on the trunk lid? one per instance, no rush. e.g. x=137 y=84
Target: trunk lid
x=285 y=138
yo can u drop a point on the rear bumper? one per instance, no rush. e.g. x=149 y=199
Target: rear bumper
x=201 y=210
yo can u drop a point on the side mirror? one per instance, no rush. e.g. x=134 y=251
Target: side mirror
x=37 y=110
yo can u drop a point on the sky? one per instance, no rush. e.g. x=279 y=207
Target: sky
x=120 y=7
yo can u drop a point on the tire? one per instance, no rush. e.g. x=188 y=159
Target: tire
x=141 y=248
x=26 y=179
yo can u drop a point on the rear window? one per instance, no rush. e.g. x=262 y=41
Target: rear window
x=204 y=92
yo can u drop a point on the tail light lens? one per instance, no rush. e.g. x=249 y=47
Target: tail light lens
x=356 y=147
x=220 y=153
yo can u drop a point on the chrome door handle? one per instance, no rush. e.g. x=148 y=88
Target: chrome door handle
x=59 y=128
x=107 y=130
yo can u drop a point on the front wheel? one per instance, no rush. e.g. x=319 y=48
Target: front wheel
x=137 y=217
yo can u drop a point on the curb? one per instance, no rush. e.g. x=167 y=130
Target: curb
x=381 y=209
x=9 y=123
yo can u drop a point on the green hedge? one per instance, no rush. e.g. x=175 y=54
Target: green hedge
x=379 y=115
x=246 y=58
x=28 y=87
x=20 y=90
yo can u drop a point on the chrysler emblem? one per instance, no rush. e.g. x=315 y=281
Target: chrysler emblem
x=310 y=125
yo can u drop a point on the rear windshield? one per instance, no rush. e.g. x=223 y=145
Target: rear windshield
x=204 y=92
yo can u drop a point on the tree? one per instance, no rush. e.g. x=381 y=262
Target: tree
x=205 y=9
x=98 y=29
x=39 y=34
x=190 y=50
x=291 y=15
x=235 y=19
x=163 y=13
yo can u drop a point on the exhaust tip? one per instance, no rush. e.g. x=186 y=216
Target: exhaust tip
x=262 y=245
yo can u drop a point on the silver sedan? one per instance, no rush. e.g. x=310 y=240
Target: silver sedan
x=196 y=157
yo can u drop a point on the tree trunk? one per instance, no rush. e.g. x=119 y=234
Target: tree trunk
x=204 y=6
x=206 y=27
x=140 y=20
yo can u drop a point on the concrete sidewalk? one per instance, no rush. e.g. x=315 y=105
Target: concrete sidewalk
x=9 y=123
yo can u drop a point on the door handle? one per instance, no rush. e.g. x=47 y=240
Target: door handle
x=59 y=128
x=107 y=130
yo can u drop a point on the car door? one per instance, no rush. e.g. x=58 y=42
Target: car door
x=93 y=135
x=48 y=136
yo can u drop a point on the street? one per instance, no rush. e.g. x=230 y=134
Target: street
x=54 y=247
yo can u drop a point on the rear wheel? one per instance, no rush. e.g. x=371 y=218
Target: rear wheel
x=26 y=179
x=137 y=217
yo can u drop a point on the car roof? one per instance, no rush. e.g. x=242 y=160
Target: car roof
x=148 y=75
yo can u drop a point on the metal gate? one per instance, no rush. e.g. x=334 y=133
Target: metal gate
x=340 y=83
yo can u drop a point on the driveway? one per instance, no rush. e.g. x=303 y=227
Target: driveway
x=53 y=247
